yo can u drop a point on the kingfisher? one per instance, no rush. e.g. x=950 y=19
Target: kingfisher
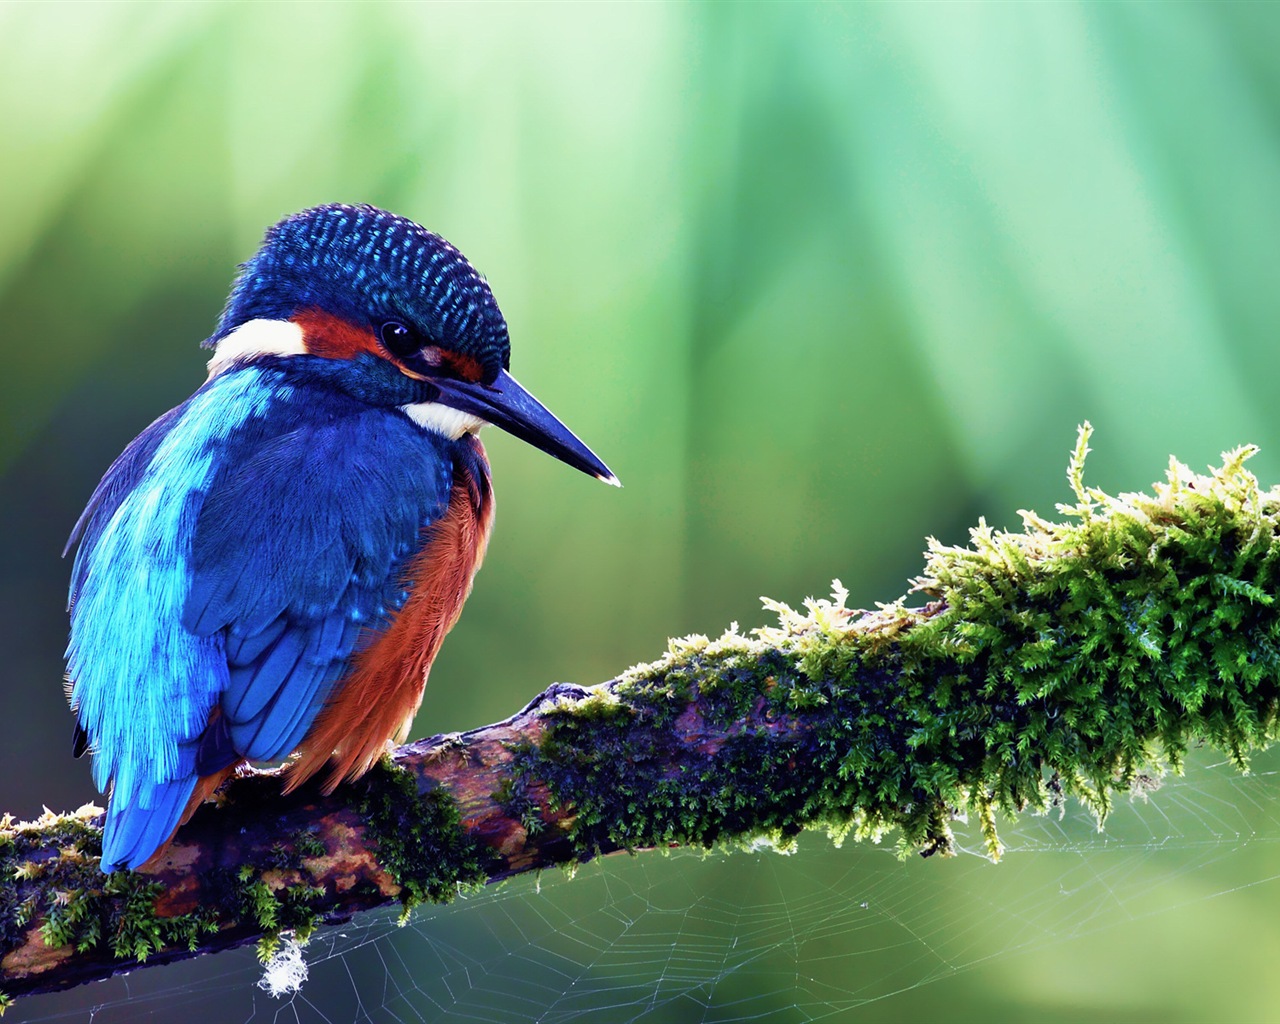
x=268 y=570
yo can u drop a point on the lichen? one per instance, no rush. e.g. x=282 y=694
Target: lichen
x=1076 y=658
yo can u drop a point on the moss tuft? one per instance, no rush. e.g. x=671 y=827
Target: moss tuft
x=1079 y=658
x=1075 y=658
x=301 y=845
x=79 y=907
x=52 y=860
x=419 y=837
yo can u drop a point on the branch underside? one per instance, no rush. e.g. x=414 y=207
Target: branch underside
x=1078 y=659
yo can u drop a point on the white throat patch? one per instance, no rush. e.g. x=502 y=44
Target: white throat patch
x=257 y=338
x=452 y=423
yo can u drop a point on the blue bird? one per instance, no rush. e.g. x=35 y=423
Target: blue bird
x=269 y=569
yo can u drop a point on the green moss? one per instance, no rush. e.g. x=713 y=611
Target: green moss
x=136 y=931
x=53 y=860
x=258 y=901
x=307 y=844
x=1078 y=658
x=419 y=837
x=247 y=895
x=80 y=907
x=72 y=919
x=598 y=706
x=184 y=931
x=513 y=796
x=120 y=909
x=49 y=873
x=301 y=845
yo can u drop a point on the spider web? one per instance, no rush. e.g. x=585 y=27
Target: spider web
x=815 y=935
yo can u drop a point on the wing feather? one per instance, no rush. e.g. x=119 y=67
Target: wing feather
x=140 y=683
x=233 y=556
x=297 y=552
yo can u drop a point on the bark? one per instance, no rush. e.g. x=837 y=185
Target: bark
x=1077 y=659
x=252 y=818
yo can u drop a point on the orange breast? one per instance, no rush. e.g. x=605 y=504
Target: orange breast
x=377 y=699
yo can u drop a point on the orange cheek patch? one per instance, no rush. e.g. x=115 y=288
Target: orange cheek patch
x=464 y=366
x=331 y=337
x=456 y=363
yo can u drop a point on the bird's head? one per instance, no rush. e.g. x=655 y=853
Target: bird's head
x=396 y=315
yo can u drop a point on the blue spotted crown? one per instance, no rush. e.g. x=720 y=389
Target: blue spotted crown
x=369 y=266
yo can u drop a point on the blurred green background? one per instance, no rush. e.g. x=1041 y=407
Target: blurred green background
x=815 y=280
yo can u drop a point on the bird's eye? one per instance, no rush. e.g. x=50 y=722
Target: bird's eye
x=399 y=340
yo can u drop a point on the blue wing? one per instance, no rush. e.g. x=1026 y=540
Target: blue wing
x=296 y=557
x=142 y=684
x=230 y=559
x=90 y=665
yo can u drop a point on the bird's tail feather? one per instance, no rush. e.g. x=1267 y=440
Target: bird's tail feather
x=136 y=830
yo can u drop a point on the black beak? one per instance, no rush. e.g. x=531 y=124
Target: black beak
x=505 y=404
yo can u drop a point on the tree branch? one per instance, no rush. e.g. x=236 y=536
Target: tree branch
x=1069 y=659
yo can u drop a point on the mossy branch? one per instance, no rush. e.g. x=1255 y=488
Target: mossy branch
x=1076 y=658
